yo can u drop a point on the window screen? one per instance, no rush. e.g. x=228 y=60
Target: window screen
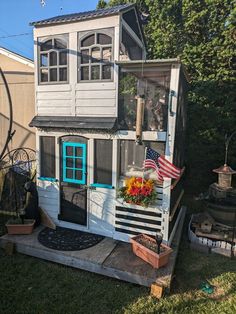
x=132 y=155
x=47 y=156
x=103 y=162
x=132 y=48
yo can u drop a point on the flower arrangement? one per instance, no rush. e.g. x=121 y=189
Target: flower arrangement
x=138 y=191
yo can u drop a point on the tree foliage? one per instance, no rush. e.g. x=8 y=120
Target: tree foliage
x=203 y=34
x=101 y=4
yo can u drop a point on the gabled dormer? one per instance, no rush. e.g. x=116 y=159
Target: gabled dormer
x=75 y=61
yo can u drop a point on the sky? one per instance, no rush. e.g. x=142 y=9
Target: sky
x=15 y=16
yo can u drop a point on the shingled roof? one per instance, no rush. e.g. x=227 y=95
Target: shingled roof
x=83 y=15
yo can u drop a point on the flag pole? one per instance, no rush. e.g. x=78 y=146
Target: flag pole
x=145 y=155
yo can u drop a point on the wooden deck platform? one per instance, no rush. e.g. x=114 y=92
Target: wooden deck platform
x=109 y=257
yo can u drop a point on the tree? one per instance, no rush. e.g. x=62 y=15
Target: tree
x=101 y=4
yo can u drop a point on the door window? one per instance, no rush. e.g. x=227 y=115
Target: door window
x=74 y=163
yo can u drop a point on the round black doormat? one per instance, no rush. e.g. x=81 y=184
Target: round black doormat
x=64 y=239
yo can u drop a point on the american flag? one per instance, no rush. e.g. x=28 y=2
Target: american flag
x=163 y=167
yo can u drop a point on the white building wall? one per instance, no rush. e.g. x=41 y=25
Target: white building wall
x=75 y=98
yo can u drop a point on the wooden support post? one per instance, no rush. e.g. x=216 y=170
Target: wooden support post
x=157 y=290
x=9 y=248
x=139 y=119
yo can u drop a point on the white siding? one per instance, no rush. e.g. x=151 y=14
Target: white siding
x=54 y=100
x=77 y=99
x=96 y=99
x=101 y=211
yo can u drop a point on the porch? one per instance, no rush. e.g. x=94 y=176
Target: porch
x=109 y=258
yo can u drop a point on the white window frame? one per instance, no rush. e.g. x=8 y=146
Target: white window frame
x=81 y=37
x=65 y=39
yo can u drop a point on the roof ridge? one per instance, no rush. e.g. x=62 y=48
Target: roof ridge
x=84 y=15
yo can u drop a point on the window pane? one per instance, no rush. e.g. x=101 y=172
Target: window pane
x=78 y=163
x=103 y=161
x=78 y=174
x=78 y=151
x=53 y=75
x=47 y=156
x=69 y=174
x=44 y=75
x=44 y=60
x=63 y=58
x=106 y=72
x=96 y=54
x=69 y=151
x=69 y=162
x=95 y=72
x=63 y=74
x=46 y=45
x=84 y=73
x=53 y=58
x=132 y=156
x=59 y=44
x=106 y=54
x=85 y=56
x=104 y=39
x=88 y=41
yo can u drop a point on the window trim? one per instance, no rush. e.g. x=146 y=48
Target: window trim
x=41 y=40
x=83 y=169
x=81 y=36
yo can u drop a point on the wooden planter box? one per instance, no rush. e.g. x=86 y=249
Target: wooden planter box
x=26 y=228
x=149 y=256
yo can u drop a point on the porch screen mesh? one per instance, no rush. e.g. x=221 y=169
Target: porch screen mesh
x=47 y=156
x=103 y=161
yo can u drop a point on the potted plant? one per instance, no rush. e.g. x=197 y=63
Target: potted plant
x=138 y=191
x=20 y=225
x=152 y=251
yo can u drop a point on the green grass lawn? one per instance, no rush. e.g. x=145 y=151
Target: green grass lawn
x=30 y=286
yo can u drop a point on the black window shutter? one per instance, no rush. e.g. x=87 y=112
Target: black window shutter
x=47 y=156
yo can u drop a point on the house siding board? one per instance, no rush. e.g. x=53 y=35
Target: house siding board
x=101 y=215
x=54 y=99
x=97 y=111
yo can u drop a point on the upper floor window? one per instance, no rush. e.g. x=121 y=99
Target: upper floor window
x=53 y=59
x=96 y=56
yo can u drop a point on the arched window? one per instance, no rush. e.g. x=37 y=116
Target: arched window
x=53 y=60
x=96 y=57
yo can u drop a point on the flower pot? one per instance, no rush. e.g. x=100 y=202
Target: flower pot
x=16 y=228
x=148 y=255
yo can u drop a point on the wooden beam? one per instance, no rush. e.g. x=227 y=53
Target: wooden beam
x=176 y=205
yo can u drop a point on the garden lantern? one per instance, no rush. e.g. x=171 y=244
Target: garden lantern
x=225 y=176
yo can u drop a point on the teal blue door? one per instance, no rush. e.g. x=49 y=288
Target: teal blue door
x=73 y=181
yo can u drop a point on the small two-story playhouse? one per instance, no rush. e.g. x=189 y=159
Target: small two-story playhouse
x=90 y=72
